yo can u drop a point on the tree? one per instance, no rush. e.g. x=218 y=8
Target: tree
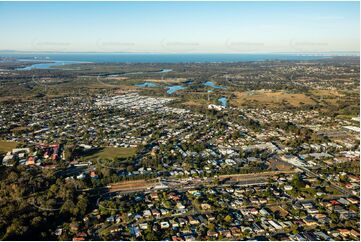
x=53 y=189
x=297 y=182
x=67 y=207
x=211 y=226
x=36 y=221
x=82 y=204
x=228 y=218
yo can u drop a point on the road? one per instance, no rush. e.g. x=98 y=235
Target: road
x=342 y=190
x=310 y=173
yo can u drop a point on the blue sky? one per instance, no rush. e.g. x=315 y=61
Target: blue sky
x=180 y=27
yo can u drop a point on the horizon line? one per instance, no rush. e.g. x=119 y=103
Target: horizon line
x=169 y=53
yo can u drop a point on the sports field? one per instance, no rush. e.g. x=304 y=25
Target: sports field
x=111 y=153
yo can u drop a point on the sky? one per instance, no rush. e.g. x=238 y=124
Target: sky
x=180 y=27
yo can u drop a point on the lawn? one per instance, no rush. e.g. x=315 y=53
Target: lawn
x=111 y=153
x=6 y=146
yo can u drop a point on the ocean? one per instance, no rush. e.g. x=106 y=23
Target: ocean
x=159 y=58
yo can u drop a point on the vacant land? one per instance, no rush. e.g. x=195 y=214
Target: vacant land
x=167 y=80
x=19 y=129
x=330 y=97
x=327 y=93
x=6 y=146
x=196 y=103
x=118 y=78
x=280 y=165
x=270 y=98
x=111 y=153
x=277 y=209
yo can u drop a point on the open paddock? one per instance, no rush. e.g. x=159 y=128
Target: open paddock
x=263 y=97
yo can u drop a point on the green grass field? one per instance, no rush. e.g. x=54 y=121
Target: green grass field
x=111 y=153
x=6 y=146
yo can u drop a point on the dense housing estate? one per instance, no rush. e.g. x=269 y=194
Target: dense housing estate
x=134 y=162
